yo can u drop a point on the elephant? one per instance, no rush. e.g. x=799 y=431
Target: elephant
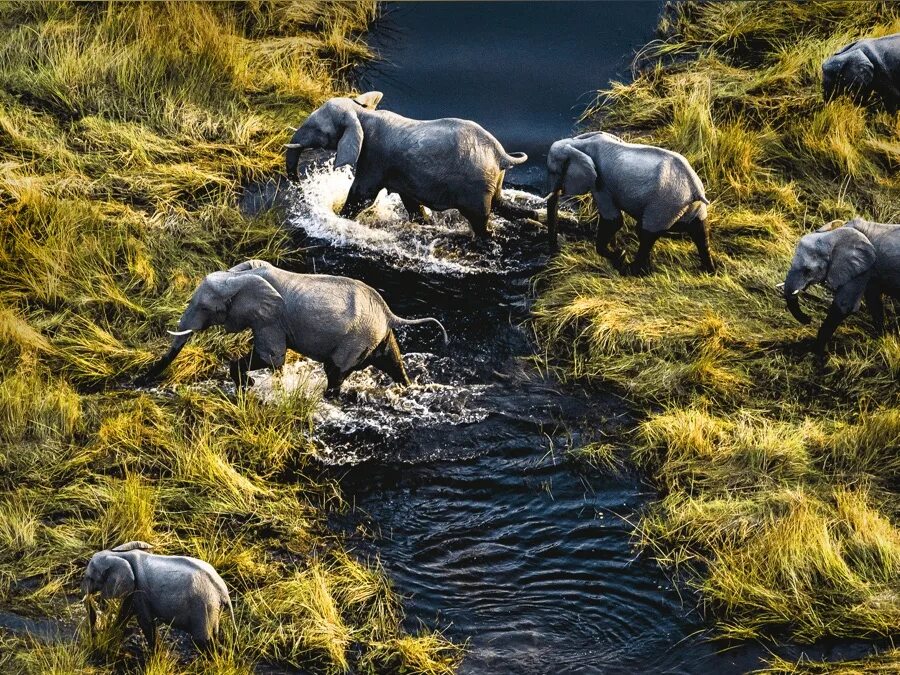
x=863 y=68
x=184 y=592
x=442 y=164
x=860 y=259
x=340 y=322
x=657 y=187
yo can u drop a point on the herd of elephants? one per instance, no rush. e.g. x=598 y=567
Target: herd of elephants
x=456 y=164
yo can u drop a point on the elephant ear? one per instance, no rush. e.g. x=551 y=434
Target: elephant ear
x=117 y=577
x=369 y=100
x=857 y=70
x=252 y=264
x=131 y=546
x=851 y=256
x=578 y=175
x=350 y=143
x=252 y=301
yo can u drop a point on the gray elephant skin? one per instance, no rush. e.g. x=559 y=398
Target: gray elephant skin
x=442 y=164
x=865 y=68
x=656 y=187
x=856 y=261
x=340 y=322
x=183 y=592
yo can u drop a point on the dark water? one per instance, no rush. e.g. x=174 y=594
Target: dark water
x=523 y=70
x=482 y=519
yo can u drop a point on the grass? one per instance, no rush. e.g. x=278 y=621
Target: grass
x=126 y=132
x=778 y=482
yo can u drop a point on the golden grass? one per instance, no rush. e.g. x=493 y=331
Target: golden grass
x=126 y=131
x=778 y=481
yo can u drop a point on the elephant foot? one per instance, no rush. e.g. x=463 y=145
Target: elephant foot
x=635 y=269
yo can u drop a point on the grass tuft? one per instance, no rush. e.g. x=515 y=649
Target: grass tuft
x=778 y=481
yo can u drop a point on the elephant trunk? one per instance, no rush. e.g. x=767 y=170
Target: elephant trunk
x=90 y=606
x=553 y=217
x=792 y=287
x=156 y=369
x=291 y=161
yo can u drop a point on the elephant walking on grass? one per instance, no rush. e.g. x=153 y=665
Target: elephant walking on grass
x=442 y=164
x=657 y=187
x=856 y=261
x=340 y=322
x=865 y=68
x=184 y=592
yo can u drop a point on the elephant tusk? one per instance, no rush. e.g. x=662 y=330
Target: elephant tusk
x=292 y=146
x=797 y=292
x=779 y=287
x=179 y=333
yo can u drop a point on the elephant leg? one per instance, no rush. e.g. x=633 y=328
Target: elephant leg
x=832 y=320
x=145 y=621
x=252 y=361
x=609 y=222
x=846 y=300
x=388 y=359
x=640 y=266
x=126 y=609
x=335 y=379
x=606 y=232
x=415 y=210
x=699 y=233
x=358 y=199
x=875 y=306
x=478 y=220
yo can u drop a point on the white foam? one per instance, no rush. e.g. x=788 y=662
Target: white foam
x=372 y=405
x=443 y=246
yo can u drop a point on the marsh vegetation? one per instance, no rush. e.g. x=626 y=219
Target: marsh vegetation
x=126 y=132
x=778 y=479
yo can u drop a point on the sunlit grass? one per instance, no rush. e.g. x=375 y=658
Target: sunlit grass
x=126 y=134
x=778 y=481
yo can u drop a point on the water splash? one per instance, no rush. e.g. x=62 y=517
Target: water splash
x=373 y=414
x=443 y=246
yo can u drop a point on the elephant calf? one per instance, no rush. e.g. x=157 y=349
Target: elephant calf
x=856 y=261
x=863 y=68
x=340 y=322
x=657 y=187
x=442 y=164
x=184 y=592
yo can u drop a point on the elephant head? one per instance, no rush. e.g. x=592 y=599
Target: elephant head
x=848 y=71
x=109 y=574
x=236 y=300
x=333 y=126
x=569 y=171
x=831 y=257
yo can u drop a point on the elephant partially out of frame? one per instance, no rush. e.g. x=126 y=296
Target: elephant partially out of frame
x=859 y=260
x=340 y=322
x=869 y=67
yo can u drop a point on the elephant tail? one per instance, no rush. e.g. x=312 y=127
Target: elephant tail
x=508 y=159
x=400 y=321
x=230 y=610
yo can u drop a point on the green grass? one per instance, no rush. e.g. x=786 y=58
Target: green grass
x=126 y=132
x=778 y=483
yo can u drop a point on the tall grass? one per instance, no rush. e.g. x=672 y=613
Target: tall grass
x=126 y=132
x=778 y=481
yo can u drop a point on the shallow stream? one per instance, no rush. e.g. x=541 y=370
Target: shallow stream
x=487 y=526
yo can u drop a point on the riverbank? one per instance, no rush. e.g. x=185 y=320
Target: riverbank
x=778 y=482
x=126 y=133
